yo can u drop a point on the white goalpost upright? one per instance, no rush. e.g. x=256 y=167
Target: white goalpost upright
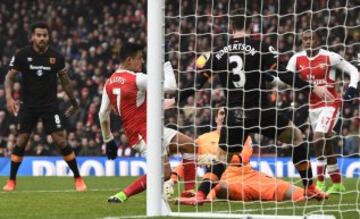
x=155 y=58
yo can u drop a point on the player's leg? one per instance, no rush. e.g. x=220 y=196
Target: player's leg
x=322 y=122
x=70 y=158
x=318 y=125
x=185 y=145
x=27 y=121
x=292 y=135
x=139 y=185
x=232 y=136
x=177 y=174
x=53 y=125
x=319 y=146
x=333 y=168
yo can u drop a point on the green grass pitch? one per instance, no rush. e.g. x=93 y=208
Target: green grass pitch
x=54 y=197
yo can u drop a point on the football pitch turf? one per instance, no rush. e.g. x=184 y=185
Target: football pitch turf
x=55 y=197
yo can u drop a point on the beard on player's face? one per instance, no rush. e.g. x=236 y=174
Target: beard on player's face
x=41 y=44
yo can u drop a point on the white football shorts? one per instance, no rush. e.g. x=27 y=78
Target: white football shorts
x=168 y=135
x=323 y=119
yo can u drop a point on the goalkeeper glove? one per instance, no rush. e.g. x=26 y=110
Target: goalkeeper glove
x=111 y=150
x=350 y=93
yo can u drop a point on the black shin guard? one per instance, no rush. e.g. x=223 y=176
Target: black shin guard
x=207 y=184
x=15 y=164
x=66 y=151
x=300 y=155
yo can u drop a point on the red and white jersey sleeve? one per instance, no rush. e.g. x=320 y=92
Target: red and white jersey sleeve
x=127 y=94
x=318 y=70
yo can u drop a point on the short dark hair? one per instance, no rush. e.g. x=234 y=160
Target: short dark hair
x=240 y=19
x=39 y=24
x=129 y=50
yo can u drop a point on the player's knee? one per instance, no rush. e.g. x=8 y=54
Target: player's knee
x=22 y=140
x=331 y=160
x=18 y=151
x=222 y=190
x=187 y=148
x=298 y=138
x=65 y=151
x=60 y=142
x=291 y=135
x=184 y=143
x=59 y=138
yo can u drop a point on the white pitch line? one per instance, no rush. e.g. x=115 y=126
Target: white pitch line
x=61 y=191
x=324 y=207
x=123 y=217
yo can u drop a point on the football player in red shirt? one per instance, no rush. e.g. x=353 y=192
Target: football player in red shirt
x=125 y=91
x=318 y=67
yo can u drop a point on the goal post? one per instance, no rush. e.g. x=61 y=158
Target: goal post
x=155 y=48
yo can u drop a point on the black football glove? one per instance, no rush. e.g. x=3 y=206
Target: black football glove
x=350 y=94
x=111 y=150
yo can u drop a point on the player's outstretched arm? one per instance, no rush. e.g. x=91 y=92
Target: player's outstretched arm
x=68 y=88
x=104 y=118
x=11 y=104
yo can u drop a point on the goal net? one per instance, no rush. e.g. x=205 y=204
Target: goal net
x=195 y=27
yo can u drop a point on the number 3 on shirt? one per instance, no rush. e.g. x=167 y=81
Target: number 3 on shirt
x=117 y=92
x=238 y=70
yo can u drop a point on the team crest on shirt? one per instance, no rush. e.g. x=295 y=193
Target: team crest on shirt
x=52 y=60
x=29 y=59
x=322 y=65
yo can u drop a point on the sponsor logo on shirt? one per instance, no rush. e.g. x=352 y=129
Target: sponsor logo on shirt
x=40 y=67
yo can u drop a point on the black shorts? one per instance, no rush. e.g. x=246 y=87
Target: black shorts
x=239 y=124
x=52 y=120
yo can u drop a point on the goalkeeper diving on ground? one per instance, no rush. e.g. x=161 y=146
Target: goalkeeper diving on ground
x=239 y=182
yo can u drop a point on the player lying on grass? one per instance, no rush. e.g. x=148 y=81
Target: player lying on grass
x=242 y=183
x=318 y=66
x=207 y=146
x=125 y=91
x=238 y=182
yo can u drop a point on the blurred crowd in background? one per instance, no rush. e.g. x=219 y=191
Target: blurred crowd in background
x=90 y=34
